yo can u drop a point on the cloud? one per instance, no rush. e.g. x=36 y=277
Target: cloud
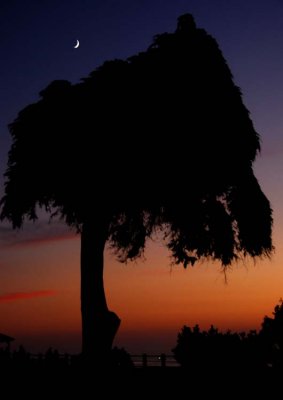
x=34 y=234
x=41 y=240
x=8 y=297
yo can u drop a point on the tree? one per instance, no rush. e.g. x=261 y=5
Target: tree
x=271 y=334
x=202 y=350
x=161 y=141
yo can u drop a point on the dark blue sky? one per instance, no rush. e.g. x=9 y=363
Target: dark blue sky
x=37 y=39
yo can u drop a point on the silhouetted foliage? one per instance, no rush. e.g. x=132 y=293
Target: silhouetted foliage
x=273 y=327
x=207 y=349
x=161 y=141
x=187 y=168
x=272 y=336
x=121 y=358
x=198 y=349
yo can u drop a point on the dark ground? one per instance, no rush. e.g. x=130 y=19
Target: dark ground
x=140 y=383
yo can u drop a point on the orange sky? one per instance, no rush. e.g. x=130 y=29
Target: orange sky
x=153 y=299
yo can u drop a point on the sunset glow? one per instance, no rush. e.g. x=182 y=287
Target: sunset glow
x=40 y=264
x=25 y=295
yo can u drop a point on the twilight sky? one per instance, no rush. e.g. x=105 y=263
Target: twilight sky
x=39 y=266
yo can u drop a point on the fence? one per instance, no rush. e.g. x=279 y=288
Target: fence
x=158 y=360
x=139 y=361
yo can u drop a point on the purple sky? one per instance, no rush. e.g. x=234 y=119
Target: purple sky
x=37 y=42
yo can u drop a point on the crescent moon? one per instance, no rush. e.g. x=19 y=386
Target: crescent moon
x=77 y=45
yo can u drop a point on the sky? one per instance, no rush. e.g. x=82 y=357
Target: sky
x=39 y=265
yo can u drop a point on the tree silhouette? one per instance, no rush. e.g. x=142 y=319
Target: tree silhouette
x=161 y=141
x=271 y=334
x=206 y=350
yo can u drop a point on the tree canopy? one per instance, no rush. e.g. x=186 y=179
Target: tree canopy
x=161 y=140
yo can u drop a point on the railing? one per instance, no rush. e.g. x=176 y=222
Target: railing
x=139 y=361
x=157 y=360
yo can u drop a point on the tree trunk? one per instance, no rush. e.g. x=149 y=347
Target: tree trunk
x=99 y=325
